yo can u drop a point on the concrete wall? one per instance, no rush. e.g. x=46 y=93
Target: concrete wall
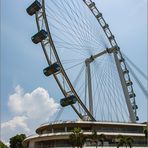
x=31 y=144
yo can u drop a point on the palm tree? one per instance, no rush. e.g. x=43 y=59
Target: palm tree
x=145 y=131
x=123 y=140
x=102 y=138
x=94 y=137
x=77 y=138
x=129 y=141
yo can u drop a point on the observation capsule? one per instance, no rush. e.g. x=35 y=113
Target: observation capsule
x=135 y=107
x=125 y=71
x=68 y=101
x=129 y=83
x=91 y=5
x=38 y=37
x=111 y=37
x=51 y=69
x=33 y=8
x=121 y=60
x=137 y=118
x=99 y=15
x=105 y=26
x=131 y=95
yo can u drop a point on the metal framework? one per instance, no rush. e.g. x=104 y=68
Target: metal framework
x=61 y=76
x=130 y=101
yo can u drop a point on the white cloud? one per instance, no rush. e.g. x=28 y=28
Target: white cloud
x=30 y=110
x=15 y=100
x=36 y=104
x=15 y=123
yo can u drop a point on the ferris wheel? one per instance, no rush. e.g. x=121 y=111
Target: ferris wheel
x=84 y=59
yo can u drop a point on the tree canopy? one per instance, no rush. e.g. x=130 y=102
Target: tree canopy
x=124 y=140
x=95 y=138
x=77 y=138
x=16 y=141
x=2 y=145
x=145 y=131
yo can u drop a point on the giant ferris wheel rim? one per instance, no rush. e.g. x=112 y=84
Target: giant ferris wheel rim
x=59 y=61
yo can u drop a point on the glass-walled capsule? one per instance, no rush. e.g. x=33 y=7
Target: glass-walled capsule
x=68 y=101
x=40 y=36
x=51 y=69
x=33 y=8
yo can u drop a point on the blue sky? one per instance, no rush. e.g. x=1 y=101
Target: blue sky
x=22 y=62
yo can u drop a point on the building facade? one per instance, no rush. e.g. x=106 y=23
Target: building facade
x=56 y=134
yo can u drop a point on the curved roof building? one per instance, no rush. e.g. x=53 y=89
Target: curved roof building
x=56 y=134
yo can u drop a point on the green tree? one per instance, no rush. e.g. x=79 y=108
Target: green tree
x=145 y=131
x=77 y=138
x=102 y=138
x=94 y=137
x=123 y=140
x=129 y=141
x=2 y=145
x=16 y=141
